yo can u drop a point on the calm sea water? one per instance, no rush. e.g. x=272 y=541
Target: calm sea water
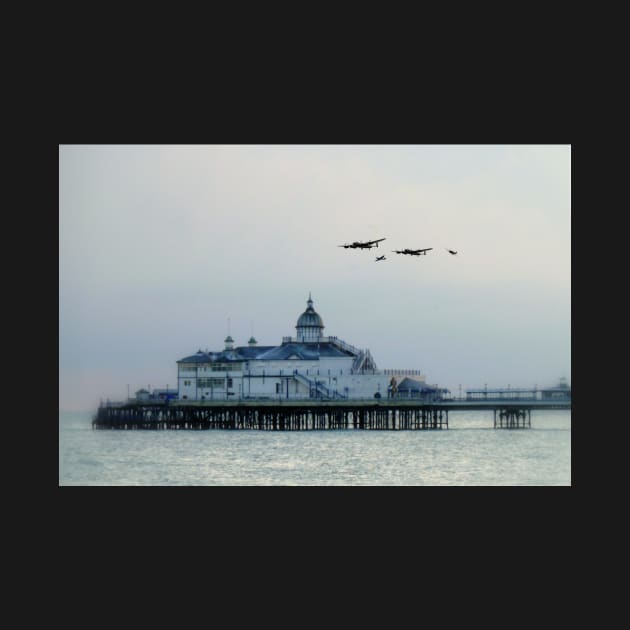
x=470 y=453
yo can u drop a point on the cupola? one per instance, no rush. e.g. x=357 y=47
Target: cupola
x=309 y=325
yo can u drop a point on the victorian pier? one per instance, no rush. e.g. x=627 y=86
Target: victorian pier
x=312 y=415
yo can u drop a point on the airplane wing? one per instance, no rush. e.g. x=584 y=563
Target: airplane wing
x=378 y=240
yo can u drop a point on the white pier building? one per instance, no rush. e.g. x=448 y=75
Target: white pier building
x=309 y=365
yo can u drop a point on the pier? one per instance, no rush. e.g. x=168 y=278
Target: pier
x=310 y=415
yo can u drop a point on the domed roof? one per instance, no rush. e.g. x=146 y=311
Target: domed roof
x=309 y=318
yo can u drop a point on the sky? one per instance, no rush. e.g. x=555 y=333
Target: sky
x=164 y=249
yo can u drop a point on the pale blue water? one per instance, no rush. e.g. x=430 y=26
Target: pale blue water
x=470 y=453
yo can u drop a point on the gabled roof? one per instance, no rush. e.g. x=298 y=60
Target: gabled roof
x=199 y=357
x=251 y=352
x=242 y=353
x=303 y=351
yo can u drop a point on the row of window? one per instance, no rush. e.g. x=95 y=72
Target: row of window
x=217 y=383
x=218 y=367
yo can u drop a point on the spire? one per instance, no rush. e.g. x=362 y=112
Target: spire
x=310 y=300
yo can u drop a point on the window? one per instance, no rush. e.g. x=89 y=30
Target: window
x=215 y=383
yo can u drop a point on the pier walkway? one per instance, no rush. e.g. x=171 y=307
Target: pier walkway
x=312 y=414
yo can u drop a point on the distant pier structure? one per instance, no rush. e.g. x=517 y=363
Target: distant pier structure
x=560 y=392
x=311 y=382
x=311 y=415
x=512 y=418
x=265 y=415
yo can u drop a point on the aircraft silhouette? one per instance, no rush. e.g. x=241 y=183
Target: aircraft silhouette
x=413 y=252
x=360 y=245
x=450 y=251
x=380 y=258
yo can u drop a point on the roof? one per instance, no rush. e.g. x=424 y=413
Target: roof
x=242 y=353
x=413 y=385
x=309 y=318
x=308 y=351
x=199 y=357
x=252 y=352
x=303 y=351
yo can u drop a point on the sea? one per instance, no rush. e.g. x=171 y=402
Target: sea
x=469 y=453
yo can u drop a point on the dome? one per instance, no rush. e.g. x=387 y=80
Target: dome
x=309 y=325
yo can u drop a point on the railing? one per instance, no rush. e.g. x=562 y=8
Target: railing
x=136 y=401
x=112 y=403
x=332 y=396
x=340 y=343
x=358 y=361
x=344 y=345
x=318 y=386
x=390 y=372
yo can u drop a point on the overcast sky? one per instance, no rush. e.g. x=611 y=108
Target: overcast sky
x=160 y=245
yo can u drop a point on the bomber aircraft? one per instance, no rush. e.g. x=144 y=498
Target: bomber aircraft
x=380 y=258
x=450 y=251
x=413 y=252
x=360 y=245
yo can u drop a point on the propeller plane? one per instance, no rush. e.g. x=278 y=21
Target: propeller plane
x=360 y=245
x=413 y=252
